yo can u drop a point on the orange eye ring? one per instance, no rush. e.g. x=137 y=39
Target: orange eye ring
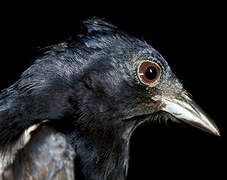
x=149 y=73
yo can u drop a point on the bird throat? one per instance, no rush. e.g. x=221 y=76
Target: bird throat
x=101 y=153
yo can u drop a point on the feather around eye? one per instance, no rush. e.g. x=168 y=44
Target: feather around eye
x=148 y=73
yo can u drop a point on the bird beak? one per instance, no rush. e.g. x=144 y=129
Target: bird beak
x=185 y=109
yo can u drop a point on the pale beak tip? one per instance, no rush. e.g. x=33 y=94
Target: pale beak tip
x=213 y=129
x=217 y=132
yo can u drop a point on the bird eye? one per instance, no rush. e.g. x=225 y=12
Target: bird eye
x=148 y=72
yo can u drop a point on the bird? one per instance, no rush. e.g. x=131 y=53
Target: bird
x=71 y=114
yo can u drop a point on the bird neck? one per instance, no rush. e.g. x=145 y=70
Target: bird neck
x=101 y=153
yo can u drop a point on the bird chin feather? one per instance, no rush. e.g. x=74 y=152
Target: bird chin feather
x=157 y=117
x=163 y=117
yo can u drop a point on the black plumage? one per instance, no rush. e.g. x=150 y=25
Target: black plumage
x=88 y=89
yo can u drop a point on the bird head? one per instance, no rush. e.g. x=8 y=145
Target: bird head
x=127 y=80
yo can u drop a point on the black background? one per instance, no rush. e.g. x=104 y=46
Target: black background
x=191 y=37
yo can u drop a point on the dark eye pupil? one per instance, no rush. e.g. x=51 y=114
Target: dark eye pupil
x=151 y=72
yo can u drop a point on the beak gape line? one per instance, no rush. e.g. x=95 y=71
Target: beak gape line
x=186 y=110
